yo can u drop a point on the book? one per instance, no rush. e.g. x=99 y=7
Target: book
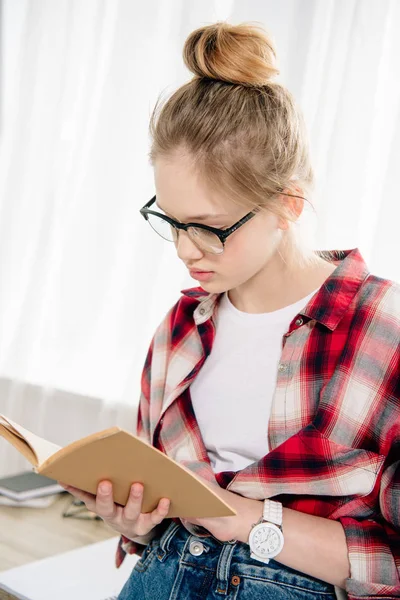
x=27 y=485
x=119 y=456
x=41 y=502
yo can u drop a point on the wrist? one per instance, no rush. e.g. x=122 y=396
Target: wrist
x=253 y=515
x=266 y=539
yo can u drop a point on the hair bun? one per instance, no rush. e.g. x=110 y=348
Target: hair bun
x=242 y=54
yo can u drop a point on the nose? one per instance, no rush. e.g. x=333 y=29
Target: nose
x=186 y=248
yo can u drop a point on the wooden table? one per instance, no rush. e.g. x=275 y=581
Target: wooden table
x=28 y=534
x=6 y=596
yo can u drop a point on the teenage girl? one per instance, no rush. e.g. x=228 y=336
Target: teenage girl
x=276 y=380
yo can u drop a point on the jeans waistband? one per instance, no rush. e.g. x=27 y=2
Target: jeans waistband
x=221 y=556
x=224 y=560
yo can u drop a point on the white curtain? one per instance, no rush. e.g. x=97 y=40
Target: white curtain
x=83 y=279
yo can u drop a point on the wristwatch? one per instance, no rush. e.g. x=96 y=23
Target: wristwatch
x=266 y=536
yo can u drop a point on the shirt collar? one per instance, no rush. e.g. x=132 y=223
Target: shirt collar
x=327 y=306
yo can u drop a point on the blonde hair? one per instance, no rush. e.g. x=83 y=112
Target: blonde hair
x=243 y=132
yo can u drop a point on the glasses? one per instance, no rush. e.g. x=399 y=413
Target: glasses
x=207 y=239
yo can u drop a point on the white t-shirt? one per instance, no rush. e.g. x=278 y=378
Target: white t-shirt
x=233 y=391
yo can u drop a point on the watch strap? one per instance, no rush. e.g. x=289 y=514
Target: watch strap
x=272 y=512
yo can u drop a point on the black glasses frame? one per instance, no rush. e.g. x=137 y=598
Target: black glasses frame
x=222 y=234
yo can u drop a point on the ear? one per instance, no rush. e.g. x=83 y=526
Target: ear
x=295 y=205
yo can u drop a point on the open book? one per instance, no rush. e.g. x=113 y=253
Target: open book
x=123 y=459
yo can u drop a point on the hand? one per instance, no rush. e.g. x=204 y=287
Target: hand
x=237 y=527
x=127 y=520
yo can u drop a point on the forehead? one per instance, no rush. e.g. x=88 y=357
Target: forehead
x=181 y=192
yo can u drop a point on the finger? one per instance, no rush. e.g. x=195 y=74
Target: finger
x=159 y=513
x=133 y=507
x=105 y=506
x=88 y=499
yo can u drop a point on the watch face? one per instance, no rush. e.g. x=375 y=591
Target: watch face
x=266 y=540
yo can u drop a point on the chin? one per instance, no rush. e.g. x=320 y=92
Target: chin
x=213 y=288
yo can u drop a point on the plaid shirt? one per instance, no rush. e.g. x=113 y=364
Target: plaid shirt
x=334 y=428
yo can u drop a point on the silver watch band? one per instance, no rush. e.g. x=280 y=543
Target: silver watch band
x=272 y=512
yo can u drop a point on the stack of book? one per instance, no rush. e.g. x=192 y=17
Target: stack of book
x=28 y=489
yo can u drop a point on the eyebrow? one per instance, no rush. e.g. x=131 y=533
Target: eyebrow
x=196 y=217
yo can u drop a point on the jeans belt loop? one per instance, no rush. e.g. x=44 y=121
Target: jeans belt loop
x=166 y=538
x=223 y=568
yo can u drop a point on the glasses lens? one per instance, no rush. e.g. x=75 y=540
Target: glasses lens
x=162 y=227
x=205 y=240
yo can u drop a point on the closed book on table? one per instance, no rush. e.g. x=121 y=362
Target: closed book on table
x=27 y=485
x=122 y=458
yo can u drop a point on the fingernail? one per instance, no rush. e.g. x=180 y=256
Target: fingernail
x=104 y=488
x=136 y=490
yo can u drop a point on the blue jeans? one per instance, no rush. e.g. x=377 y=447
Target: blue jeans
x=181 y=566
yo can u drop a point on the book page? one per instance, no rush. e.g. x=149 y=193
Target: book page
x=41 y=448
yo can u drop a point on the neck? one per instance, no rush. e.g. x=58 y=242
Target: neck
x=276 y=286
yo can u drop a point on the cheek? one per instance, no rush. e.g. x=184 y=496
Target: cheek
x=249 y=250
x=240 y=260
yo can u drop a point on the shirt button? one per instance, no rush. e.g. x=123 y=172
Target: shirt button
x=196 y=548
x=299 y=322
x=282 y=367
x=202 y=311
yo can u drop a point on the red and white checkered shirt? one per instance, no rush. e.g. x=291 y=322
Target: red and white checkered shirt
x=334 y=428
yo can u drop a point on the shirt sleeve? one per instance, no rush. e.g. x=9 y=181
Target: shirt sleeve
x=135 y=546
x=374 y=545
x=361 y=404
